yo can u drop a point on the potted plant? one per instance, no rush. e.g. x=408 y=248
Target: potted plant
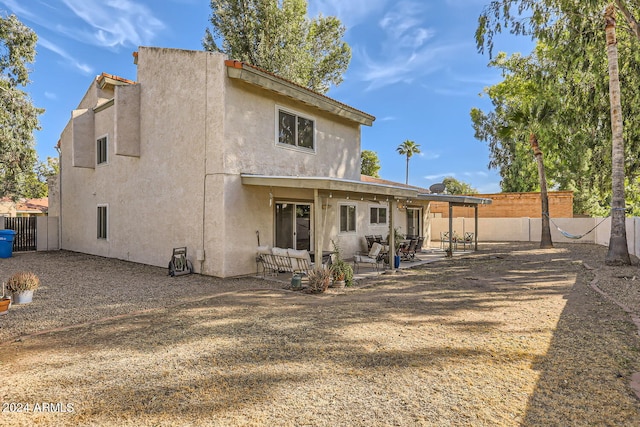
x=22 y=285
x=318 y=280
x=5 y=302
x=341 y=272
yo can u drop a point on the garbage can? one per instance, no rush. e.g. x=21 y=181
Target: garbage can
x=6 y=243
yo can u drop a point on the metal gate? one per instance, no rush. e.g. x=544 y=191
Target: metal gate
x=25 y=228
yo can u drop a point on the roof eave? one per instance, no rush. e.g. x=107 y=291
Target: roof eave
x=329 y=184
x=283 y=87
x=455 y=199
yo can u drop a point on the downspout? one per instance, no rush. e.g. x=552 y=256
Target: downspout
x=204 y=183
x=59 y=150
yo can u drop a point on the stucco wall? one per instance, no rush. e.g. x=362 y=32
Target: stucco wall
x=251 y=145
x=155 y=202
x=173 y=172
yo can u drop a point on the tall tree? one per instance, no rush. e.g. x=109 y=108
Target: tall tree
x=408 y=148
x=453 y=186
x=18 y=116
x=577 y=28
x=618 y=253
x=277 y=35
x=369 y=163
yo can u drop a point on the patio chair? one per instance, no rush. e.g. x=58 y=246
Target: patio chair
x=370 y=241
x=467 y=240
x=408 y=252
x=444 y=241
x=420 y=243
x=373 y=257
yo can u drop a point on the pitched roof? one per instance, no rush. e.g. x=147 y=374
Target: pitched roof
x=265 y=79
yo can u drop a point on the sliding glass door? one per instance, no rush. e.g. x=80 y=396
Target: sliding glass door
x=413 y=222
x=293 y=225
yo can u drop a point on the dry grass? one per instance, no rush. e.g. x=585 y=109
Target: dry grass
x=510 y=335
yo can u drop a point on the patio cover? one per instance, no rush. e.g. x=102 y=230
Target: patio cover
x=393 y=192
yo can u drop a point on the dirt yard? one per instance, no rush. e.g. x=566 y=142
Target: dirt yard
x=510 y=335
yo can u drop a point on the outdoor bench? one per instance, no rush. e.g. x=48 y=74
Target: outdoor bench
x=279 y=260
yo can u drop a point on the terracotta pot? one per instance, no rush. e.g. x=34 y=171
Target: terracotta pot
x=4 y=305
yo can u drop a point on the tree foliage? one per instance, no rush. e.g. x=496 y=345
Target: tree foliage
x=369 y=163
x=453 y=186
x=18 y=116
x=568 y=71
x=277 y=35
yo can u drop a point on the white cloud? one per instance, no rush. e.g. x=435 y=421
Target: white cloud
x=84 y=68
x=114 y=22
x=439 y=177
x=50 y=95
x=350 y=12
x=409 y=48
x=403 y=26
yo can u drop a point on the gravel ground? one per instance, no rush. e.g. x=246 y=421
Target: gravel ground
x=510 y=335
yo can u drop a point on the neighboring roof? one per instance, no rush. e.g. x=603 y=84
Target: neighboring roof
x=33 y=205
x=367 y=178
x=259 y=77
x=28 y=205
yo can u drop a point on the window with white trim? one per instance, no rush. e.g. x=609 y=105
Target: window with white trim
x=102 y=222
x=295 y=130
x=377 y=215
x=101 y=150
x=347 y=218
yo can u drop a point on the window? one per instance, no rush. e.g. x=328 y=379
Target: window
x=378 y=215
x=295 y=130
x=101 y=150
x=347 y=218
x=102 y=222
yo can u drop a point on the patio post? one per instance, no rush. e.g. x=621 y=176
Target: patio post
x=318 y=233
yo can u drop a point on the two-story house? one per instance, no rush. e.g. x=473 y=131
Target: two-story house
x=217 y=155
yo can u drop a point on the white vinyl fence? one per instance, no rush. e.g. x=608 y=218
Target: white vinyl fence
x=529 y=230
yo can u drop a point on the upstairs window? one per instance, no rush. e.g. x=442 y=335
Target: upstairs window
x=101 y=150
x=295 y=130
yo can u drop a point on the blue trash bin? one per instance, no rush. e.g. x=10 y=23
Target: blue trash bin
x=396 y=261
x=6 y=243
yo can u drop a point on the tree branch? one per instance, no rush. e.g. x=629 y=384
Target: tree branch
x=631 y=20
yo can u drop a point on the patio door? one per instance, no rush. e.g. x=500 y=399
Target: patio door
x=413 y=222
x=293 y=225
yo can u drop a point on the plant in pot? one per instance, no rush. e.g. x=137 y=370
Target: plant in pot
x=5 y=302
x=318 y=280
x=341 y=272
x=22 y=284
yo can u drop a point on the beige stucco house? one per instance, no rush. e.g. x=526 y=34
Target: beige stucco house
x=215 y=155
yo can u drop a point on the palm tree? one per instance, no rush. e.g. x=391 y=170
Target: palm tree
x=618 y=253
x=408 y=148
x=532 y=116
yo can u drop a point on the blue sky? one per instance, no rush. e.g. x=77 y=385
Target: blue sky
x=414 y=67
